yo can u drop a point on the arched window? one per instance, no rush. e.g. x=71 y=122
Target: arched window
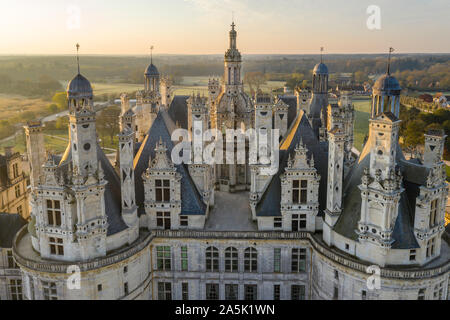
x=231 y=259
x=212 y=259
x=250 y=260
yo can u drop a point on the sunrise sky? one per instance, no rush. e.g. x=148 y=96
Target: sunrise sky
x=201 y=26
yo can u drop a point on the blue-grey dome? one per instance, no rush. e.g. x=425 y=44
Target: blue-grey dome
x=387 y=85
x=79 y=86
x=320 y=68
x=151 y=70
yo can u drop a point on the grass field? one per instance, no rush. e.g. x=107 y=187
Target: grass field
x=14 y=105
x=362 y=111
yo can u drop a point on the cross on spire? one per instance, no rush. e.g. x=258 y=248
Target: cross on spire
x=389 y=60
x=78 y=58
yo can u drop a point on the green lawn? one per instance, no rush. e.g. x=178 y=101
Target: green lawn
x=362 y=111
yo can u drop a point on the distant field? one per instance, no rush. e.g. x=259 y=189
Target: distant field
x=15 y=105
x=187 y=87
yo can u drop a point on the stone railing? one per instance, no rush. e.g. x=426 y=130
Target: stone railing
x=317 y=244
x=61 y=266
x=385 y=272
x=263 y=235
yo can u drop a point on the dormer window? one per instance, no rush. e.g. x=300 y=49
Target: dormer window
x=162 y=189
x=299 y=191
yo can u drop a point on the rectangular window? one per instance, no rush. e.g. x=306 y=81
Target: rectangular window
x=299 y=191
x=54 y=213
x=19 y=210
x=15 y=167
x=421 y=295
x=125 y=289
x=231 y=292
x=412 y=255
x=164 y=291
x=433 y=213
x=297 y=292
x=184 y=258
x=438 y=291
x=99 y=287
x=298 y=222
x=298 y=260
x=15 y=289
x=162 y=189
x=250 y=292
x=56 y=246
x=212 y=291
x=125 y=269
x=49 y=290
x=163 y=258
x=336 y=293
x=277 y=223
x=277 y=260
x=336 y=275
x=430 y=247
x=11 y=263
x=276 y=292
x=184 y=221
x=163 y=220
x=185 y=291
x=17 y=190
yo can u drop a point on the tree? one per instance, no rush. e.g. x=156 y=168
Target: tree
x=60 y=98
x=53 y=108
x=254 y=80
x=108 y=122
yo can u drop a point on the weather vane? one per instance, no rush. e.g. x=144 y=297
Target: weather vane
x=389 y=60
x=78 y=58
x=321 y=53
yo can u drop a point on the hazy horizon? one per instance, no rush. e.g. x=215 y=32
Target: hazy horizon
x=200 y=27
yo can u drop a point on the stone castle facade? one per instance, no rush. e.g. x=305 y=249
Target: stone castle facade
x=321 y=226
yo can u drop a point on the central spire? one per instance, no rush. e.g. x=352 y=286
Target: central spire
x=389 y=61
x=233 y=35
x=78 y=57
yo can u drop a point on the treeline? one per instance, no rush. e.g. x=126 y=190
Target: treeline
x=409 y=68
x=416 y=123
x=418 y=103
x=44 y=87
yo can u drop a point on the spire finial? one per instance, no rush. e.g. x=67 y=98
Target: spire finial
x=151 y=54
x=78 y=58
x=389 y=61
x=321 y=54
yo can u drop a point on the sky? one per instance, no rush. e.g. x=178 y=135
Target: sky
x=201 y=26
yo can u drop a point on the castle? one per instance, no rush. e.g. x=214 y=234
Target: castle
x=327 y=224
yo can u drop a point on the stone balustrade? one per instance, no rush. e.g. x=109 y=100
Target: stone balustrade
x=145 y=240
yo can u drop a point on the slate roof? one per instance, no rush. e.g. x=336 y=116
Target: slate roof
x=414 y=175
x=386 y=85
x=191 y=201
x=270 y=203
x=291 y=101
x=79 y=86
x=10 y=224
x=113 y=195
x=178 y=111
